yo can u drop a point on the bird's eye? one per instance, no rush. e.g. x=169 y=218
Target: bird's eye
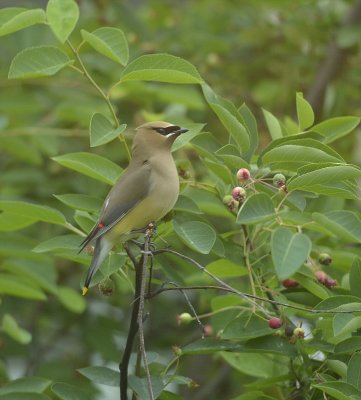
x=162 y=131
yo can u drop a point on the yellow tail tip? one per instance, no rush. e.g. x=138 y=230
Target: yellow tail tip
x=84 y=291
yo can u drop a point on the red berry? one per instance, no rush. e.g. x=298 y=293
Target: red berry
x=238 y=193
x=274 y=323
x=243 y=174
x=289 y=283
x=321 y=276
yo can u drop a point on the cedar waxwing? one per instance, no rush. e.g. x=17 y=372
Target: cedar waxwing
x=146 y=192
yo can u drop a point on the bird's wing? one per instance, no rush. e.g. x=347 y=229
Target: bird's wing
x=132 y=187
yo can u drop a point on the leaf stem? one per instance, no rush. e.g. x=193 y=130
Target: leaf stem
x=101 y=92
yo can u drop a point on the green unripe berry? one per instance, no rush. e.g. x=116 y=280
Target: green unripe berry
x=279 y=180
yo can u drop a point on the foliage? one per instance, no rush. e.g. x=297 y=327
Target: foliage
x=258 y=253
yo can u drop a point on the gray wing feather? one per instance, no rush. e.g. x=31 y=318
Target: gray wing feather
x=132 y=187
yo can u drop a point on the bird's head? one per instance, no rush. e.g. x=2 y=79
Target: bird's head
x=161 y=128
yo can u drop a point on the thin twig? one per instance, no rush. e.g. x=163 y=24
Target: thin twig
x=231 y=290
x=246 y=250
x=189 y=305
x=101 y=92
x=222 y=283
x=143 y=275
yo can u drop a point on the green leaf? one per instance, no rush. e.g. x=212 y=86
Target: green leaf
x=196 y=235
x=140 y=386
x=40 y=273
x=355 y=277
x=324 y=175
x=24 y=396
x=209 y=346
x=289 y=251
x=14 y=19
x=257 y=208
x=310 y=139
x=62 y=17
x=339 y=321
x=71 y=299
x=219 y=170
x=111 y=42
x=250 y=123
x=14 y=286
x=186 y=204
x=92 y=165
x=161 y=68
x=233 y=162
x=273 y=125
x=296 y=155
x=271 y=344
x=246 y=327
x=337 y=301
x=349 y=345
x=101 y=375
x=256 y=395
x=81 y=201
x=35 y=62
x=185 y=138
x=11 y=327
x=335 y=128
x=338 y=390
x=58 y=243
x=354 y=371
x=311 y=286
x=224 y=268
x=31 y=384
x=10 y=221
x=229 y=117
x=35 y=211
x=256 y=365
x=69 y=392
x=305 y=114
x=343 y=223
x=102 y=130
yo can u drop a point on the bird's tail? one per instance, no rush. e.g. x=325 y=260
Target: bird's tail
x=101 y=250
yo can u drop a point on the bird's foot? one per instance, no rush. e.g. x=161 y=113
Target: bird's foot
x=147 y=252
x=151 y=229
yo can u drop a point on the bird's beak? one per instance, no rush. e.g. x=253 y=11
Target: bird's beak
x=181 y=130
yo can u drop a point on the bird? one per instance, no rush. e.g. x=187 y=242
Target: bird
x=146 y=191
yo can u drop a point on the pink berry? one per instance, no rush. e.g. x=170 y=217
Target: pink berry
x=207 y=330
x=289 y=283
x=243 y=174
x=330 y=283
x=321 y=276
x=274 y=323
x=238 y=193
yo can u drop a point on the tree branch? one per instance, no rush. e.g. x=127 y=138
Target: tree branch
x=332 y=65
x=133 y=329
